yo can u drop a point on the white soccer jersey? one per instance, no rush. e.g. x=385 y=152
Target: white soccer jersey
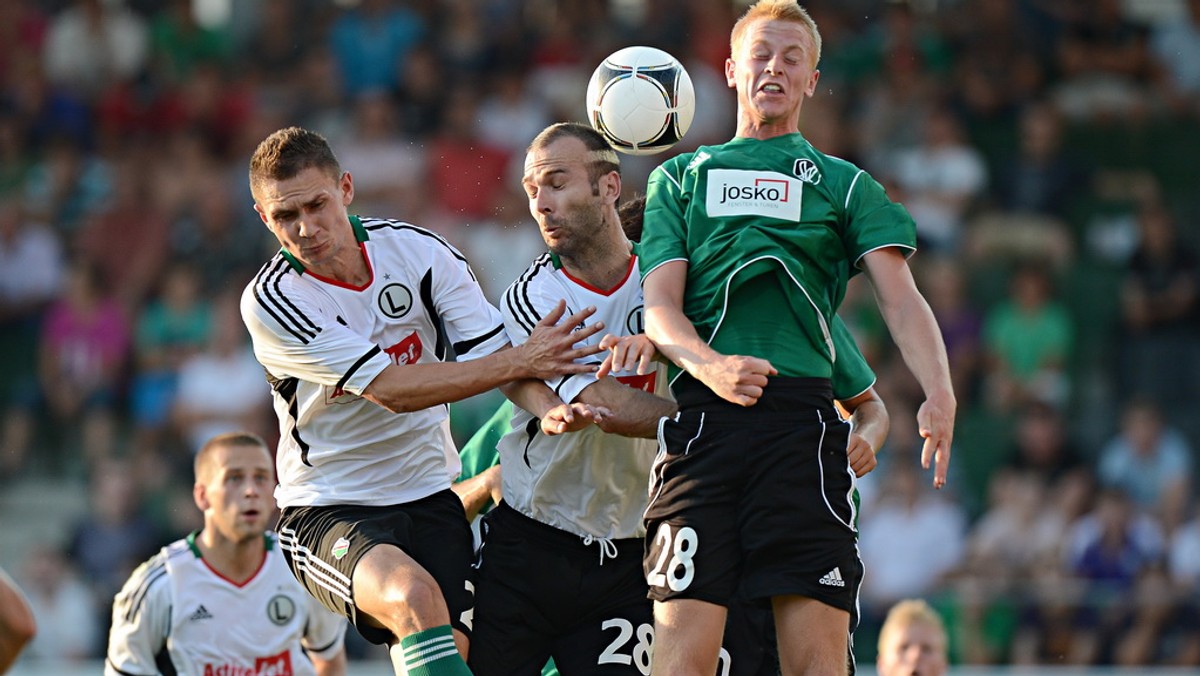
x=177 y=612
x=586 y=482
x=323 y=342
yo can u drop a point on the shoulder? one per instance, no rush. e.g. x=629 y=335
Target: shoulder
x=148 y=582
x=390 y=232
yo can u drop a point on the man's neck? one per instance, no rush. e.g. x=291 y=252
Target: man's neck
x=604 y=265
x=236 y=561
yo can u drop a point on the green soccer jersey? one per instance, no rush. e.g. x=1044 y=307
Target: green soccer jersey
x=771 y=231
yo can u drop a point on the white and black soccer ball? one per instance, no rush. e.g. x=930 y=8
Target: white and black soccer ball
x=641 y=99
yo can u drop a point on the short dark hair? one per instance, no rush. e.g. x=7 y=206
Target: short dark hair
x=632 y=212
x=289 y=151
x=602 y=159
x=204 y=455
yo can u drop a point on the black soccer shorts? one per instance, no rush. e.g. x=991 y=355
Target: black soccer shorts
x=754 y=501
x=324 y=544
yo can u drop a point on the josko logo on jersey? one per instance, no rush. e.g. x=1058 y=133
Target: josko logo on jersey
x=736 y=192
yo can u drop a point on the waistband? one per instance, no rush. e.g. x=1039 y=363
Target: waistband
x=783 y=394
x=561 y=539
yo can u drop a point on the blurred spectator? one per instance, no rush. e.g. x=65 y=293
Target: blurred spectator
x=511 y=115
x=911 y=536
x=1104 y=63
x=1041 y=176
x=31 y=275
x=93 y=44
x=1160 y=313
x=465 y=172
x=179 y=43
x=1150 y=462
x=63 y=606
x=107 y=542
x=127 y=240
x=1043 y=446
x=23 y=26
x=83 y=348
x=940 y=179
x=1019 y=531
x=67 y=186
x=171 y=328
x=422 y=93
x=222 y=388
x=1176 y=46
x=371 y=43
x=388 y=167
x=214 y=237
x=944 y=282
x=1110 y=549
x=1027 y=338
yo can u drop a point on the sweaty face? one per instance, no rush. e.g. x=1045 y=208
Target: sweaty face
x=915 y=650
x=307 y=214
x=773 y=70
x=562 y=198
x=238 y=489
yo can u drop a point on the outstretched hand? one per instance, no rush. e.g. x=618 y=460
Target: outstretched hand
x=625 y=353
x=550 y=351
x=571 y=418
x=935 y=420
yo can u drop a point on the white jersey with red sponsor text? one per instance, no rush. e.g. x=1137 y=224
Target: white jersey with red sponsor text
x=588 y=482
x=178 y=615
x=323 y=342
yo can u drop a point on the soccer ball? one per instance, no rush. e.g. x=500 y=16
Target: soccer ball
x=641 y=99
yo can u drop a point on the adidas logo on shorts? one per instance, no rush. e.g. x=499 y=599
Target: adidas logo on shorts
x=833 y=578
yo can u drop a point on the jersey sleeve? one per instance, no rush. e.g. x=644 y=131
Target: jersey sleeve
x=141 y=620
x=664 y=237
x=852 y=375
x=873 y=221
x=325 y=632
x=525 y=303
x=473 y=325
x=293 y=337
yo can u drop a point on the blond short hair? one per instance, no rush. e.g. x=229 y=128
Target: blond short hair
x=909 y=612
x=776 y=10
x=203 y=463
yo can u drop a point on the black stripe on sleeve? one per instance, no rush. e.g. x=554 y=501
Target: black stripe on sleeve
x=286 y=387
x=323 y=648
x=466 y=346
x=357 y=365
x=153 y=575
x=267 y=293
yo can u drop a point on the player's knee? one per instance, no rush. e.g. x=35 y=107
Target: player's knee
x=413 y=603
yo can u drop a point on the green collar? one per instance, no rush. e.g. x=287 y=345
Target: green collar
x=556 y=261
x=360 y=236
x=191 y=543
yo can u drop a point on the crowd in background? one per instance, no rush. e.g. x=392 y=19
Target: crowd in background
x=1044 y=147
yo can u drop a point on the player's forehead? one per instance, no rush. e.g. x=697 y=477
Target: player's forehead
x=242 y=459
x=309 y=184
x=777 y=35
x=564 y=154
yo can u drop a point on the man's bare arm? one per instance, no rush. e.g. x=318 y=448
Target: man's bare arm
x=915 y=330
x=549 y=352
x=735 y=378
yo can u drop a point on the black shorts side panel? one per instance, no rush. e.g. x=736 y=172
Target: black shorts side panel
x=324 y=544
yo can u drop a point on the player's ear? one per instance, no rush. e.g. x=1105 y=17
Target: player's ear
x=610 y=185
x=261 y=214
x=200 y=496
x=347 y=186
x=729 y=68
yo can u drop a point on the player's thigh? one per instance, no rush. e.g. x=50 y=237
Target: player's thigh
x=618 y=642
x=442 y=544
x=816 y=635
